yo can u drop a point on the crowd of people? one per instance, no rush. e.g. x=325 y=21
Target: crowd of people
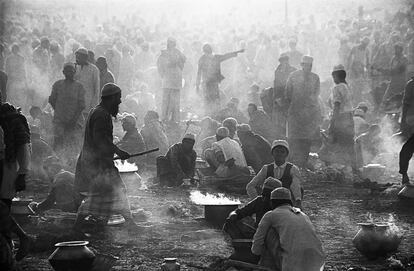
x=258 y=110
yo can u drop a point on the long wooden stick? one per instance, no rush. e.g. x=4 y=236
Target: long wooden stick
x=139 y=154
x=248 y=265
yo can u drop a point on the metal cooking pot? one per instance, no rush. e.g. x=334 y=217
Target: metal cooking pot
x=216 y=214
x=21 y=207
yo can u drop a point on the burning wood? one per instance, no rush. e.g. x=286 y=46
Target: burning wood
x=125 y=166
x=209 y=199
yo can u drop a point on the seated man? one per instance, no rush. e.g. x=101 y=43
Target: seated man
x=286 y=239
x=286 y=172
x=261 y=123
x=231 y=124
x=178 y=164
x=62 y=194
x=226 y=156
x=132 y=142
x=154 y=135
x=237 y=226
x=256 y=149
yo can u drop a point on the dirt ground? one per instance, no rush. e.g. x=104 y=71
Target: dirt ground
x=334 y=208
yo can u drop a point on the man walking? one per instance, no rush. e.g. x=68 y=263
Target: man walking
x=96 y=175
x=68 y=101
x=304 y=112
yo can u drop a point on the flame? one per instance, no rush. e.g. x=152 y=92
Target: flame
x=125 y=166
x=209 y=199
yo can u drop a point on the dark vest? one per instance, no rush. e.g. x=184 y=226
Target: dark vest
x=286 y=177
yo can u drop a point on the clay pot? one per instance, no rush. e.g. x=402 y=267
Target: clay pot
x=170 y=264
x=72 y=256
x=375 y=240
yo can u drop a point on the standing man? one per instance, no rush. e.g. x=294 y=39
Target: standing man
x=397 y=70
x=96 y=175
x=294 y=55
x=304 y=112
x=170 y=67
x=68 y=101
x=105 y=75
x=41 y=56
x=279 y=109
x=15 y=161
x=88 y=75
x=209 y=74
x=407 y=127
x=17 y=81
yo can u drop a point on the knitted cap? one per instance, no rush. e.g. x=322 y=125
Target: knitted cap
x=110 y=89
x=307 y=60
x=82 y=51
x=189 y=136
x=223 y=132
x=129 y=119
x=69 y=65
x=272 y=183
x=244 y=128
x=339 y=67
x=282 y=143
x=281 y=193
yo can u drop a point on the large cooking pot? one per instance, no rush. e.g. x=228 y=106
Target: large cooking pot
x=216 y=214
x=21 y=207
x=376 y=240
x=71 y=256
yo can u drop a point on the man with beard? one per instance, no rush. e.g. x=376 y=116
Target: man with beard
x=96 y=175
x=88 y=75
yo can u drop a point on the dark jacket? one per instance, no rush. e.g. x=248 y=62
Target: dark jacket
x=256 y=150
x=258 y=206
x=181 y=162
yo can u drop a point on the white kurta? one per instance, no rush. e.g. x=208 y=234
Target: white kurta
x=231 y=149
